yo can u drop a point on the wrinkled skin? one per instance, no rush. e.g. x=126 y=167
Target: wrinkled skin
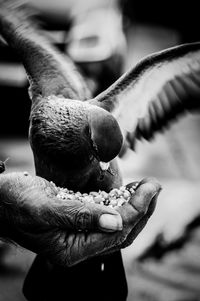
x=36 y=219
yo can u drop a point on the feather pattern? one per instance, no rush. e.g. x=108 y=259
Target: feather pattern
x=155 y=92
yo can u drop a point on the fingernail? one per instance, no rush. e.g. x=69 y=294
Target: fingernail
x=110 y=222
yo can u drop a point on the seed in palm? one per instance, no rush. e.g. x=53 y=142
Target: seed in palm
x=115 y=198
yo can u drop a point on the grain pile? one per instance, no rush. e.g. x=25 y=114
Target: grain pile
x=116 y=197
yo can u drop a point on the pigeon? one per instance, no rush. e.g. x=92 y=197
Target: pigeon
x=76 y=138
x=70 y=138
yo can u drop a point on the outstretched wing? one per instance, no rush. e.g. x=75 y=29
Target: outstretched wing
x=155 y=92
x=49 y=72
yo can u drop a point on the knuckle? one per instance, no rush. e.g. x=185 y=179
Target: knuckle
x=83 y=219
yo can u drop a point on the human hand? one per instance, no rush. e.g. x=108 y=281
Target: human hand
x=32 y=216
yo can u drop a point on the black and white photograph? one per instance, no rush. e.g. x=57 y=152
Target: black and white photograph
x=99 y=150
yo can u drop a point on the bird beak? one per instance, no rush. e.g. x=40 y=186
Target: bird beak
x=104 y=166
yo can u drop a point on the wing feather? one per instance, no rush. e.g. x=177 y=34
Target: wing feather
x=155 y=92
x=49 y=71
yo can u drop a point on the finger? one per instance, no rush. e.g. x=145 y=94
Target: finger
x=95 y=216
x=141 y=224
x=146 y=190
x=81 y=246
x=140 y=208
x=77 y=215
x=84 y=245
x=133 y=232
x=138 y=205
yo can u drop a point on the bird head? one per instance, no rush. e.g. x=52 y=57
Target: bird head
x=105 y=133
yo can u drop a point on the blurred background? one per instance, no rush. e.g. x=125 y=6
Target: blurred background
x=164 y=261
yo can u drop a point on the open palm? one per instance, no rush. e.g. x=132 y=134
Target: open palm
x=38 y=220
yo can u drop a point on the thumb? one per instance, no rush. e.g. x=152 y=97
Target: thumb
x=76 y=215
